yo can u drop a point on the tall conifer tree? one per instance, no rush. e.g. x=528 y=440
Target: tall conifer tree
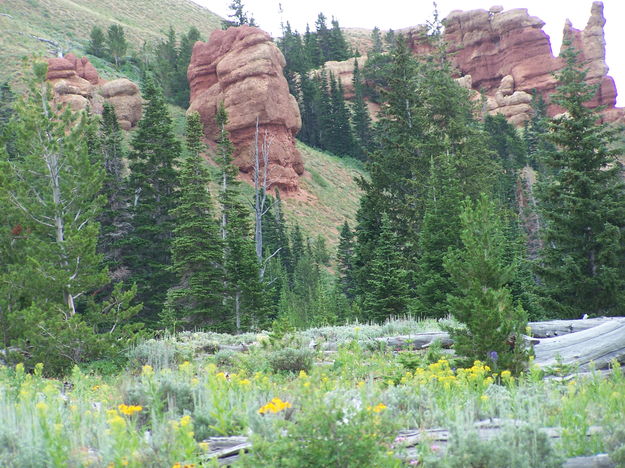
x=582 y=266
x=196 y=300
x=153 y=184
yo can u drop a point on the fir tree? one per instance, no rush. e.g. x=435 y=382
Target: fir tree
x=196 y=300
x=387 y=292
x=116 y=217
x=582 y=266
x=153 y=183
x=97 y=42
x=345 y=261
x=492 y=326
x=376 y=42
x=361 y=121
x=440 y=232
x=244 y=299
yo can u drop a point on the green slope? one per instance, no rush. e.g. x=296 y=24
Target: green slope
x=69 y=22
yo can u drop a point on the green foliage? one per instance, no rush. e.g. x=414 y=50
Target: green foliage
x=196 y=299
x=328 y=433
x=239 y=15
x=50 y=188
x=116 y=43
x=491 y=324
x=523 y=447
x=97 y=42
x=291 y=360
x=361 y=121
x=582 y=202
x=154 y=184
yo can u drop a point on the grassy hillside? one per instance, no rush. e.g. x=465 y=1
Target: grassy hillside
x=69 y=22
x=330 y=194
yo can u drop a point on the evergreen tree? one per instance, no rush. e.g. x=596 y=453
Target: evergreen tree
x=361 y=121
x=115 y=218
x=187 y=41
x=166 y=65
x=491 y=325
x=535 y=133
x=196 y=300
x=345 y=261
x=376 y=42
x=7 y=101
x=324 y=40
x=338 y=48
x=244 y=299
x=51 y=187
x=339 y=138
x=154 y=183
x=387 y=292
x=239 y=15
x=582 y=267
x=97 y=42
x=440 y=233
x=116 y=43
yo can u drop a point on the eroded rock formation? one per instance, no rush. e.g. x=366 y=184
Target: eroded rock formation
x=76 y=83
x=242 y=68
x=507 y=55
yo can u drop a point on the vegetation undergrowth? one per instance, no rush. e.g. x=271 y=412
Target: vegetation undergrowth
x=344 y=406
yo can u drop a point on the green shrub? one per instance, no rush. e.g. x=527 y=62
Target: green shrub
x=291 y=360
x=225 y=358
x=160 y=354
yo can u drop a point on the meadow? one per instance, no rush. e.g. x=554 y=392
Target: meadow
x=331 y=396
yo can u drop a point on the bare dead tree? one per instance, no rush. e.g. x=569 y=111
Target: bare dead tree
x=262 y=181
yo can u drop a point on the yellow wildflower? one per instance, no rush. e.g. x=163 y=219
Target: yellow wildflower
x=185 y=420
x=41 y=406
x=244 y=382
x=147 y=370
x=129 y=410
x=377 y=408
x=204 y=445
x=484 y=398
x=275 y=406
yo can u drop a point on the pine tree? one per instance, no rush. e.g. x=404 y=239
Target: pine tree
x=196 y=299
x=52 y=187
x=582 y=266
x=153 y=183
x=97 y=42
x=376 y=42
x=361 y=121
x=345 y=261
x=116 y=217
x=187 y=41
x=439 y=233
x=340 y=140
x=116 y=43
x=239 y=15
x=387 y=292
x=492 y=326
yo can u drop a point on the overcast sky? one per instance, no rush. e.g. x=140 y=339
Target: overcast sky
x=397 y=14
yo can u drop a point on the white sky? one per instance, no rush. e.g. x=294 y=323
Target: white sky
x=397 y=14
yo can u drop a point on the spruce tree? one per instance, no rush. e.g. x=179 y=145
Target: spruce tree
x=387 y=292
x=361 y=121
x=196 y=299
x=116 y=217
x=439 y=233
x=345 y=261
x=582 y=265
x=376 y=42
x=244 y=299
x=491 y=325
x=153 y=185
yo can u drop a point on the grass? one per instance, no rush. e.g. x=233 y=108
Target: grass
x=69 y=23
x=160 y=414
x=330 y=194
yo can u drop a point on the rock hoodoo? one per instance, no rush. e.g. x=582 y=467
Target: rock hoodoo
x=76 y=83
x=508 y=55
x=242 y=68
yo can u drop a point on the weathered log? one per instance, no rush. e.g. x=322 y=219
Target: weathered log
x=227 y=449
x=417 y=341
x=552 y=328
x=598 y=345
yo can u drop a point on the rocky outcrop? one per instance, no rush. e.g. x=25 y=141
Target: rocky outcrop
x=508 y=56
x=76 y=84
x=242 y=68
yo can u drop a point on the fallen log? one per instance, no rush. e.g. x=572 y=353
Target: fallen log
x=598 y=345
x=227 y=449
x=417 y=341
x=552 y=328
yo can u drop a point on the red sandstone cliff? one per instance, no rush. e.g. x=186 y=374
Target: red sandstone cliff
x=242 y=68
x=76 y=83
